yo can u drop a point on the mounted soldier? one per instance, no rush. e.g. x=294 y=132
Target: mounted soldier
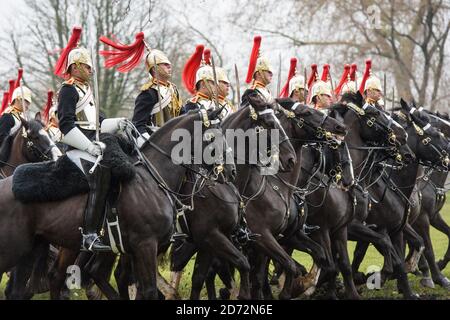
x=79 y=122
x=159 y=99
x=259 y=74
x=10 y=120
x=207 y=94
x=371 y=88
x=294 y=87
x=198 y=79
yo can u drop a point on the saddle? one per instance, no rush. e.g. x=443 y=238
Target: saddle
x=55 y=181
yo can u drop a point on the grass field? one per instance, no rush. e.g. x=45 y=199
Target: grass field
x=389 y=291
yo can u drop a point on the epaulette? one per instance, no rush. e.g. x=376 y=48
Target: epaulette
x=147 y=86
x=69 y=82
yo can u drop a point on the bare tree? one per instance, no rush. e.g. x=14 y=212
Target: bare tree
x=408 y=38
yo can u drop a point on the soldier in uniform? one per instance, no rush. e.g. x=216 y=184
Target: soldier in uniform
x=371 y=88
x=10 y=121
x=76 y=114
x=297 y=90
x=259 y=74
x=159 y=99
x=321 y=95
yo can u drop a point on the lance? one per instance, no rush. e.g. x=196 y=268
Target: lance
x=393 y=100
x=305 y=83
x=159 y=91
x=238 y=89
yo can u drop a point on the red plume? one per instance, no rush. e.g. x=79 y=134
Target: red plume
x=343 y=80
x=48 y=105
x=366 y=75
x=61 y=64
x=253 y=58
x=207 y=56
x=11 y=89
x=19 y=78
x=4 y=101
x=325 y=72
x=128 y=56
x=313 y=76
x=285 y=91
x=353 y=72
x=190 y=69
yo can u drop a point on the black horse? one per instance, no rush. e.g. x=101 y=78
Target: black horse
x=392 y=191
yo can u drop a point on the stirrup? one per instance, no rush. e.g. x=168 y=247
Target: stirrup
x=178 y=236
x=95 y=245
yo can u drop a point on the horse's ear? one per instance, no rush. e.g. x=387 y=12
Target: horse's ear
x=38 y=116
x=404 y=105
x=24 y=123
x=359 y=98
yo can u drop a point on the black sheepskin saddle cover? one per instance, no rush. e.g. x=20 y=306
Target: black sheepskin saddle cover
x=54 y=181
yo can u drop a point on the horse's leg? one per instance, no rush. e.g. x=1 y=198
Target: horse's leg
x=417 y=245
x=100 y=269
x=422 y=226
x=224 y=249
x=123 y=275
x=257 y=273
x=146 y=267
x=439 y=223
x=272 y=248
x=202 y=264
x=399 y=266
x=343 y=260
x=58 y=272
x=180 y=254
x=364 y=235
x=210 y=280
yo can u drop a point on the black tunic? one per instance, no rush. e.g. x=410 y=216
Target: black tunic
x=189 y=106
x=67 y=101
x=143 y=106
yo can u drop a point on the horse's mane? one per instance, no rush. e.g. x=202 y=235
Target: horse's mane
x=5 y=149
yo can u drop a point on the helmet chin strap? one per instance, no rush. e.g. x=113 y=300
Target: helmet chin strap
x=84 y=76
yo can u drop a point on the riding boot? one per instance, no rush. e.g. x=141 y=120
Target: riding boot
x=99 y=182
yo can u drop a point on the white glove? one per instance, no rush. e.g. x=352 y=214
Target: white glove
x=142 y=139
x=96 y=148
x=113 y=125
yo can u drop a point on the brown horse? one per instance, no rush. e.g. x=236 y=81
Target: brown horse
x=29 y=144
x=145 y=212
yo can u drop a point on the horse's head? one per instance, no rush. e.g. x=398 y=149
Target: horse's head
x=429 y=145
x=303 y=123
x=259 y=126
x=373 y=126
x=309 y=124
x=36 y=145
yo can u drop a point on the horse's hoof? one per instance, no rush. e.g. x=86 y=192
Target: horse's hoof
x=444 y=283
x=274 y=281
x=224 y=294
x=93 y=292
x=427 y=283
x=359 y=278
x=414 y=296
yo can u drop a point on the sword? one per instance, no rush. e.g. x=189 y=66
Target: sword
x=216 y=83
x=393 y=100
x=97 y=109
x=279 y=76
x=238 y=89
x=96 y=97
x=384 y=85
x=25 y=110
x=159 y=91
